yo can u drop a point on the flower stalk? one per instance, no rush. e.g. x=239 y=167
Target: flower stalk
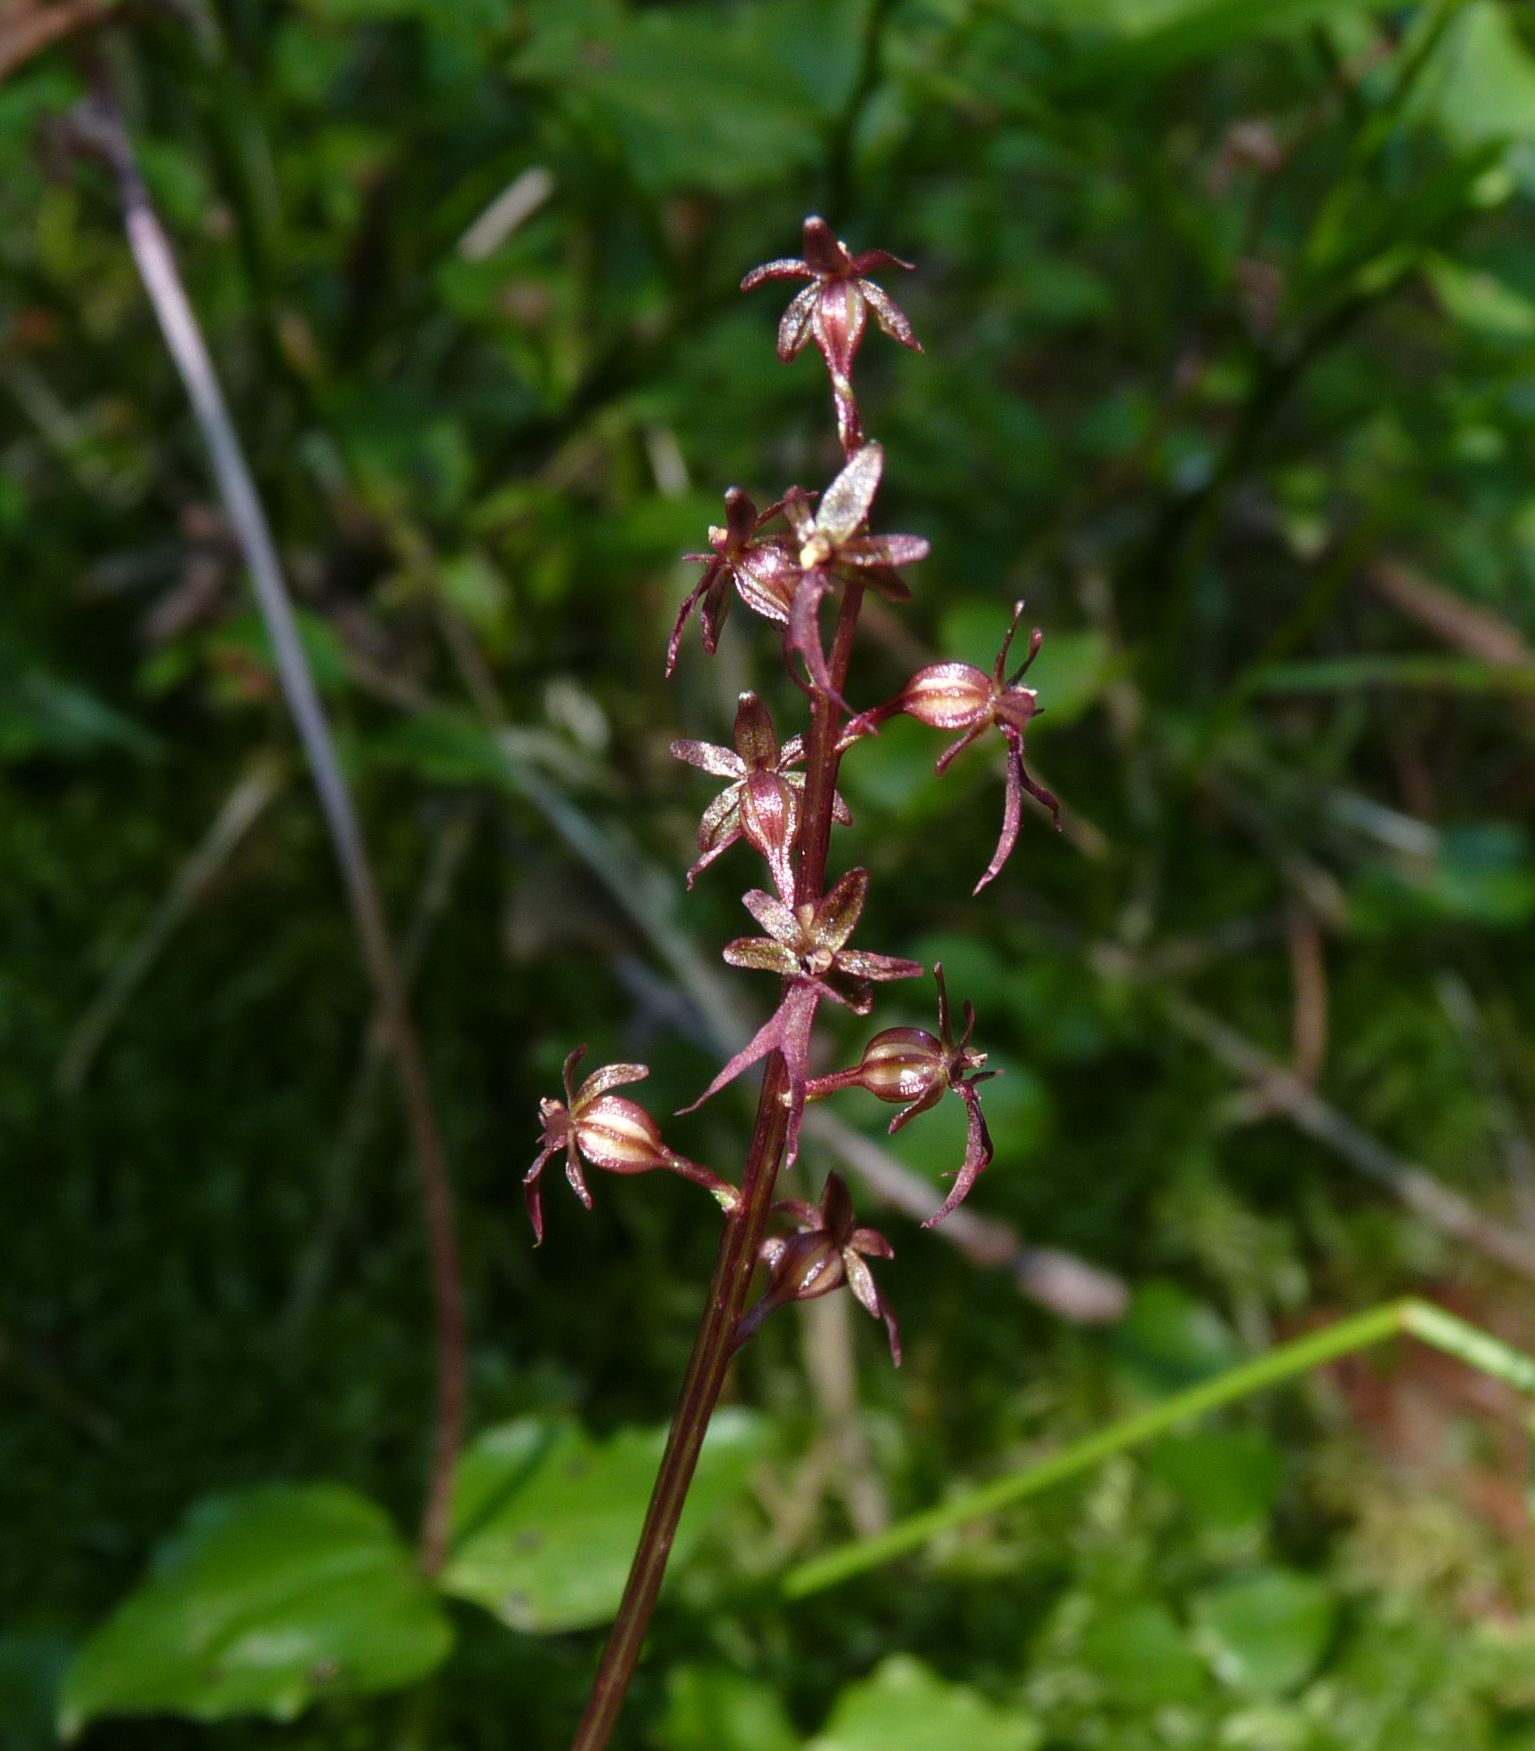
x=781 y=800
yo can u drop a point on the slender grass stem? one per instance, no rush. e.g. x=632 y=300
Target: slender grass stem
x=1408 y=1317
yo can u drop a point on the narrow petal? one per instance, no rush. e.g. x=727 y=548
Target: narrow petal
x=710 y=757
x=807 y=1215
x=837 y=1208
x=860 y=964
x=836 y=917
x=530 y=1191
x=887 y=583
x=823 y=253
x=804 y=634
x=689 y=603
x=888 y=314
x=924 y=1103
x=978 y=1154
x=861 y=1281
x=600 y=1081
x=711 y=855
x=889 y=550
x=794 y=326
x=845 y=503
x=774 y=917
x=950 y=754
x=798 y=1011
x=871 y=1243
x=721 y=823
x=791 y=753
x=1007 y=643
x=568 y=1073
x=756 y=744
x=783 y=268
x=1012 y=818
x=757 y=955
x=840 y=812
x=786 y=1020
x=715 y=609
x=765 y=579
x=574 y=1174
x=874 y=261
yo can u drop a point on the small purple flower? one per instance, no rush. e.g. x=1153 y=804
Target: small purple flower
x=833 y=309
x=958 y=696
x=827 y=1252
x=910 y=1065
x=806 y=945
x=832 y=537
x=762 y=802
x=610 y=1131
x=763 y=573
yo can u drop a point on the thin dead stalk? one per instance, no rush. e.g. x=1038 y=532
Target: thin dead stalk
x=239 y=812
x=183 y=336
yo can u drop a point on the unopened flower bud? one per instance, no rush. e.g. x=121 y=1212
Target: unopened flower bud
x=620 y=1135
x=949 y=696
x=902 y=1064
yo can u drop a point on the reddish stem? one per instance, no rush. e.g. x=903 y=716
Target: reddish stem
x=737 y=1258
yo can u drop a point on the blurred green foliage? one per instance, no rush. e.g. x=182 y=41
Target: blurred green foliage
x=1229 y=312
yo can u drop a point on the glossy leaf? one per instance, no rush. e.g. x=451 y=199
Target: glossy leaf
x=1143 y=1656
x=1266 y=1631
x=546 y=1517
x=904 y=1703
x=267 y=1600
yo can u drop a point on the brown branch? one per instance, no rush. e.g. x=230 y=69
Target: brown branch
x=30 y=30
x=1410 y=1184
x=103 y=129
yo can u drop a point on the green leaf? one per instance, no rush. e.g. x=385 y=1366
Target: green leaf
x=1481 y=86
x=1482 y=873
x=1143 y=1655
x=1169 y=1340
x=1158 y=36
x=245 y=635
x=1228 y=1477
x=546 y=1518
x=716 y=1708
x=1266 y=1631
x=704 y=98
x=1477 y=300
x=904 y=1704
x=267 y=1599
x=41 y=713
